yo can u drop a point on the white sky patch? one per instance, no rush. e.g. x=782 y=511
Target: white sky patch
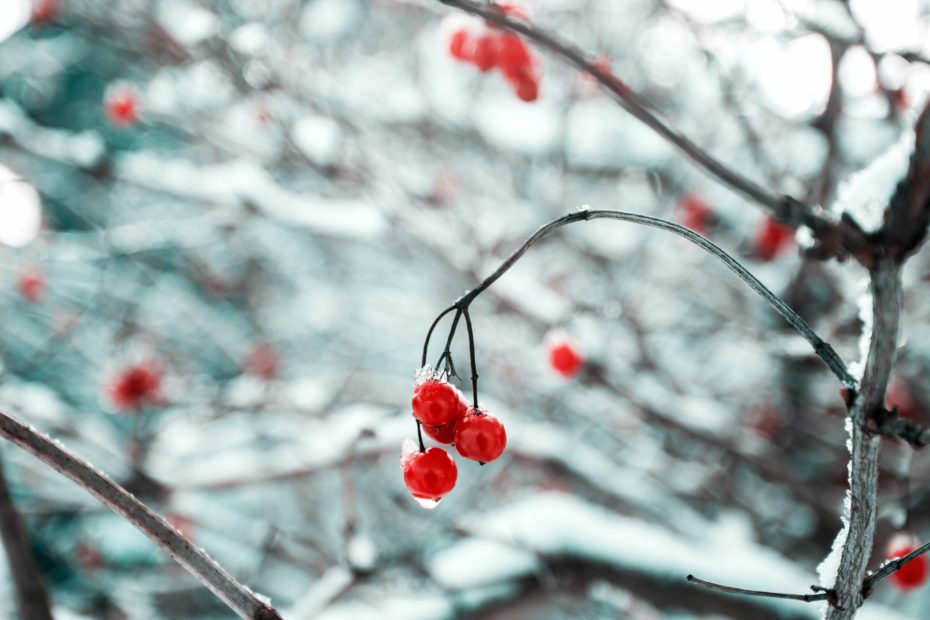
x=890 y=26
x=188 y=23
x=20 y=210
x=14 y=14
x=865 y=194
x=319 y=138
x=766 y=16
x=327 y=20
x=795 y=78
x=709 y=11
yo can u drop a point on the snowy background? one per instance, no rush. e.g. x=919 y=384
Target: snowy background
x=316 y=180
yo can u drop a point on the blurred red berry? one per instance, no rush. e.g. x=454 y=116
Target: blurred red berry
x=516 y=10
x=696 y=214
x=480 y=436
x=44 y=12
x=436 y=402
x=564 y=357
x=772 y=239
x=486 y=51
x=459 y=44
x=429 y=475
x=121 y=105
x=763 y=421
x=914 y=573
x=31 y=283
x=135 y=387
x=513 y=55
x=263 y=361
x=899 y=395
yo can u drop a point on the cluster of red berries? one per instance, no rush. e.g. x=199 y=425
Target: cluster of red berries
x=914 y=573
x=486 y=46
x=121 y=105
x=444 y=414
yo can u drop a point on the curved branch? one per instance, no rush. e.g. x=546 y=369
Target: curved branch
x=238 y=597
x=821 y=348
x=820 y=594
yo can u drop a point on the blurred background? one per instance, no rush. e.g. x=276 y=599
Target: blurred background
x=226 y=226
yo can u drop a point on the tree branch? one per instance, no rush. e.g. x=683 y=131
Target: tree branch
x=31 y=597
x=834 y=238
x=820 y=594
x=863 y=465
x=821 y=348
x=238 y=597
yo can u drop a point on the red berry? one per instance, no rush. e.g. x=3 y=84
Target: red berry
x=696 y=214
x=121 y=105
x=263 y=361
x=442 y=433
x=486 y=51
x=136 y=386
x=480 y=437
x=31 y=283
x=513 y=55
x=528 y=89
x=912 y=574
x=436 y=402
x=429 y=475
x=772 y=239
x=900 y=396
x=459 y=44
x=514 y=9
x=564 y=358
x=45 y=11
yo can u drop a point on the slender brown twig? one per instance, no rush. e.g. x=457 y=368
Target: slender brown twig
x=235 y=595
x=820 y=594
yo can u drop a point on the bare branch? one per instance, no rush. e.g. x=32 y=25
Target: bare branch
x=820 y=594
x=238 y=597
x=890 y=567
x=835 y=238
x=821 y=348
x=31 y=598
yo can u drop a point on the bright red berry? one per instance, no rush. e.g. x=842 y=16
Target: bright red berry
x=135 y=387
x=486 y=51
x=436 y=402
x=564 y=357
x=480 y=436
x=513 y=55
x=772 y=239
x=121 y=105
x=429 y=475
x=528 y=89
x=459 y=44
x=443 y=433
x=31 y=283
x=914 y=573
x=696 y=214
x=263 y=361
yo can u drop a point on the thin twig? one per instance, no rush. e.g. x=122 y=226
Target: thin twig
x=820 y=594
x=31 y=597
x=890 y=567
x=238 y=597
x=835 y=238
x=822 y=349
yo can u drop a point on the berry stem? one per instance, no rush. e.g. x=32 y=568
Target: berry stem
x=429 y=334
x=447 y=352
x=471 y=354
x=420 y=436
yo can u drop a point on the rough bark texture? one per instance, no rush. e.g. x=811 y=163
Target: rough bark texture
x=863 y=464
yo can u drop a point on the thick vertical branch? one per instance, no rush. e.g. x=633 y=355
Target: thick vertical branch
x=31 y=598
x=863 y=464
